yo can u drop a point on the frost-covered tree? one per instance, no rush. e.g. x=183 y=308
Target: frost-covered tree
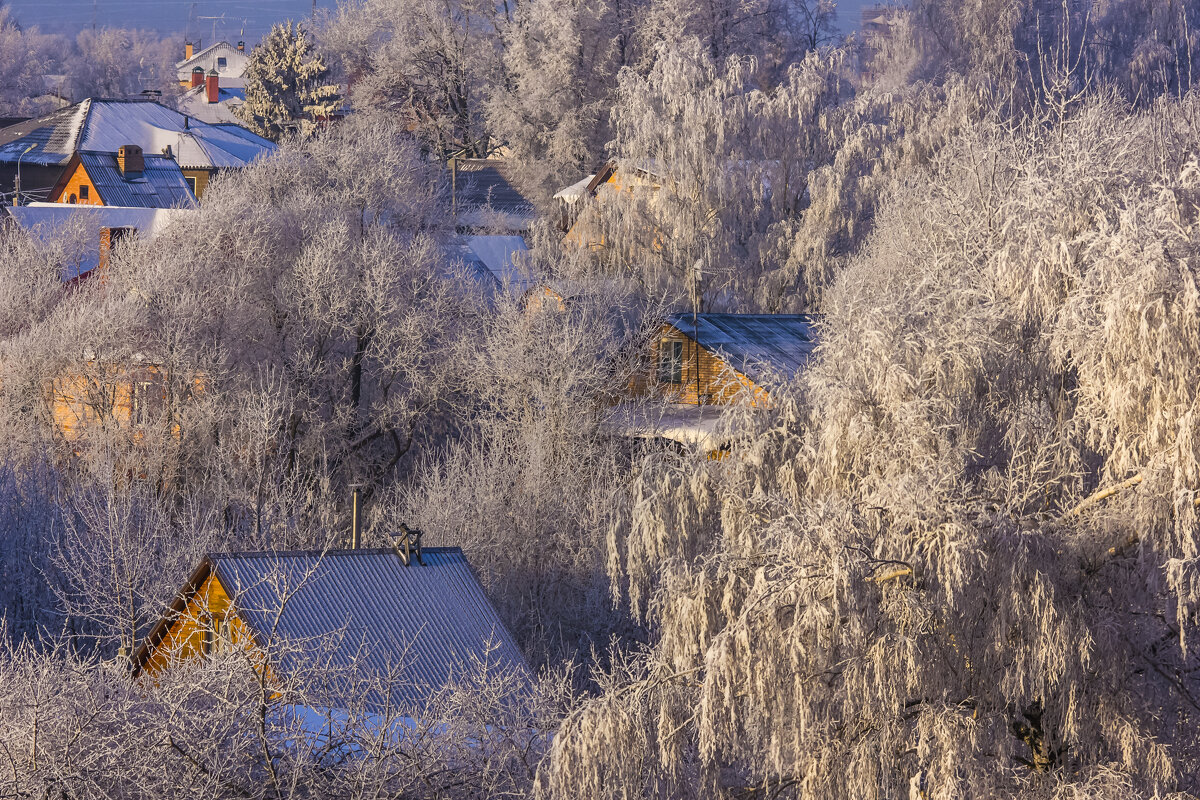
x=287 y=84
x=957 y=557
x=25 y=56
x=114 y=62
x=430 y=62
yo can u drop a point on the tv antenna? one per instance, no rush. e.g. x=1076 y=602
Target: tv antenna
x=214 y=26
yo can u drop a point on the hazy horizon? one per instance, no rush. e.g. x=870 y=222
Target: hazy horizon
x=187 y=17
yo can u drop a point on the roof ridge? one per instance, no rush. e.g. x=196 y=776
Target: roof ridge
x=312 y=553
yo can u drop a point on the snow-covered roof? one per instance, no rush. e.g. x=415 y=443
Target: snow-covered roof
x=575 y=191
x=686 y=424
x=106 y=125
x=495 y=258
x=206 y=59
x=756 y=345
x=47 y=221
x=160 y=185
x=195 y=104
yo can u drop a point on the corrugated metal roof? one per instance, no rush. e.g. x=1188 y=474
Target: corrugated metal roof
x=105 y=125
x=484 y=183
x=434 y=620
x=754 y=344
x=161 y=184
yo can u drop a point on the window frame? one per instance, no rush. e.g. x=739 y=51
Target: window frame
x=670 y=362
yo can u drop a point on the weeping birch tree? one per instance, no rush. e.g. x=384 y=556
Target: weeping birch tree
x=957 y=558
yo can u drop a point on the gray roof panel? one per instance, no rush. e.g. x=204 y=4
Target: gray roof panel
x=754 y=344
x=433 y=620
x=161 y=185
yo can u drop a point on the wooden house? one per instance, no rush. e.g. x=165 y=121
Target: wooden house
x=696 y=365
x=580 y=202
x=126 y=178
x=718 y=359
x=419 y=609
x=98 y=397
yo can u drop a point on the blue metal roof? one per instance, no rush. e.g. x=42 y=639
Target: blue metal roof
x=754 y=344
x=434 y=620
x=160 y=185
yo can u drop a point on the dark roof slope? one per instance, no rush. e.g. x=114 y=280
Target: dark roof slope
x=754 y=344
x=482 y=182
x=433 y=620
x=161 y=185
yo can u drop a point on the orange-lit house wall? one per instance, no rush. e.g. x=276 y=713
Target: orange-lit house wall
x=74 y=188
x=719 y=383
x=188 y=633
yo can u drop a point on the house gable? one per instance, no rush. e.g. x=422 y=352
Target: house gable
x=704 y=377
x=75 y=186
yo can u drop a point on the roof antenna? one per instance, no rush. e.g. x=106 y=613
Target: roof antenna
x=408 y=544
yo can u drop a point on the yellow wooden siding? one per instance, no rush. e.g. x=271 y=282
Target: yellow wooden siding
x=586 y=231
x=719 y=383
x=201 y=177
x=186 y=638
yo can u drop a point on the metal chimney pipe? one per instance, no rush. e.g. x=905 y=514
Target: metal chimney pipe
x=354 y=522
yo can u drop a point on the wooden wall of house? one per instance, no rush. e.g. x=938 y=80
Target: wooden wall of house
x=719 y=383
x=186 y=638
x=100 y=398
x=74 y=188
x=201 y=178
x=586 y=232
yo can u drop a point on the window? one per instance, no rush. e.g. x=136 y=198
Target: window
x=191 y=180
x=73 y=199
x=83 y=192
x=215 y=637
x=221 y=62
x=670 y=362
x=140 y=402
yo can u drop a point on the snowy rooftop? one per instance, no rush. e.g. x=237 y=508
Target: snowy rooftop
x=108 y=124
x=195 y=104
x=234 y=61
x=686 y=424
x=47 y=222
x=754 y=344
x=575 y=191
x=494 y=258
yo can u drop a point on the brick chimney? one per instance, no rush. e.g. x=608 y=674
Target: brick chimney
x=187 y=50
x=241 y=47
x=197 y=76
x=130 y=161
x=108 y=239
x=212 y=92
